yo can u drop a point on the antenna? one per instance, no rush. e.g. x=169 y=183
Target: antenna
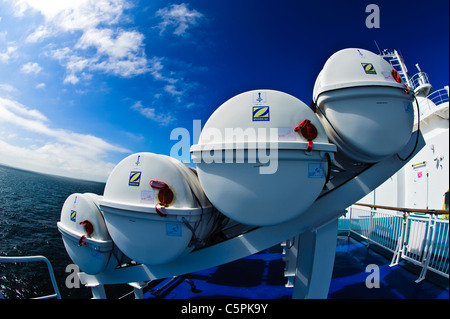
x=379 y=51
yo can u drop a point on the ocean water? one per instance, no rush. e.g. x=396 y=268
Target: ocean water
x=30 y=207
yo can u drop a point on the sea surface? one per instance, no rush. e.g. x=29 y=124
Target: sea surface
x=30 y=207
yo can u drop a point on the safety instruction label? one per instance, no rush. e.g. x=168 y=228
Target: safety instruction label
x=408 y=107
x=173 y=229
x=286 y=134
x=315 y=170
x=388 y=76
x=95 y=253
x=148 y=196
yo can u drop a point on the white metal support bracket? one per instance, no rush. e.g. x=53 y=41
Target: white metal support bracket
x=315 y=261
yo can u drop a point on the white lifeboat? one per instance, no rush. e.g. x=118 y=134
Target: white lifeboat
x=365 y=108
x=262 y=157
x=155 y=209
x=85 y=235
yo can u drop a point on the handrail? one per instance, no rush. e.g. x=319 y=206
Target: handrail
x=419 y=79
x=407 y=210
x=26 y=259
x=440 y=96
x=422 y=240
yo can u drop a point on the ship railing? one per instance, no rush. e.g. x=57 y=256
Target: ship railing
x=434 y=102
x=419 y=236
x=28 y=259
x=440 y=96
x=419 y=79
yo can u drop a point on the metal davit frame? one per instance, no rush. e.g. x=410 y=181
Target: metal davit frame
x=316 y=229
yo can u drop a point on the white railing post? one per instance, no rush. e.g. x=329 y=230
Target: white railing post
x=369 y=232
x=350 y=222
x=427 y=248
x=400 y=242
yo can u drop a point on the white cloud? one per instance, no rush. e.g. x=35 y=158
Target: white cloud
x=7 y=88
x=40 y=33
x=8 y=53
x=56 y=159
x=40 y=85
x=116 y=51
x=115 y=56
x=33 y=120
x=63 y=151
x=11 y=111
x=31 y=67
x=179 y=17
x=100 y=43
x=156 y=70
x=170 y=88
x=72 y=79
x=72 y=15
x=124 y=68
x=117 y=45
x=151 y=113
x=3 y=34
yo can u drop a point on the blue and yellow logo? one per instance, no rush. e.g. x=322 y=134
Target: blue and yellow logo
x=135 y=179
x=73 y=215
x=261 y=113
x=368 y=68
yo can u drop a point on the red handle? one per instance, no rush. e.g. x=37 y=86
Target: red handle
x=309 y=132
x=81 y=242
x=165 y=195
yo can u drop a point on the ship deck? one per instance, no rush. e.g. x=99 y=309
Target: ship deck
x=261 y=276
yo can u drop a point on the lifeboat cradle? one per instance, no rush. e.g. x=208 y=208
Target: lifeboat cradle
x=315 y=231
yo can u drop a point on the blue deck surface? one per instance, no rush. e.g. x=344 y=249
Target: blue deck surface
x=349 y=276
x=261 y=276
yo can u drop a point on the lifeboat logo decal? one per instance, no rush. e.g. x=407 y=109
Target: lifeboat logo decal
x=135 y=179
x=73 y=215
x=261 y=113
x=368 y=68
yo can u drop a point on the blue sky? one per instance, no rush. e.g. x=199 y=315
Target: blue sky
x=85 y=83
